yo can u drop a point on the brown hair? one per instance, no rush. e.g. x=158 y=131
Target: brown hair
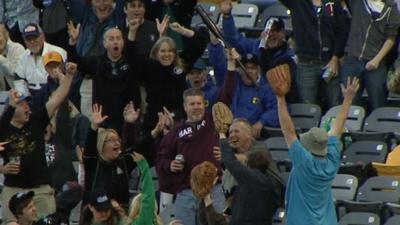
x=258 y=159
x=202 y=179
x=192 y=92
x=21 y=206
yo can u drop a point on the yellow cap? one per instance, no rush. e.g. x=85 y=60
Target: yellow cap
x=52 y=57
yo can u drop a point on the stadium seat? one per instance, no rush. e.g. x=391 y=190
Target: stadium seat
x=344 y=187
x=244 y=15
x=261 y=4
x=212 y=11
x=385 y=119
x=278 y=148
x=347 y=206
x=275 y=10
x=355 y=117
x=364 y=152
x=360 y=218
x=384 y=189
x=395 y=220
x=305 y=116
x=392 y=165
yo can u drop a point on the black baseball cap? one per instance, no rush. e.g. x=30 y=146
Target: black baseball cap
x=31 y=30
x=100 y=201
x=250 y=58
x=278 y=23
x=19 y=198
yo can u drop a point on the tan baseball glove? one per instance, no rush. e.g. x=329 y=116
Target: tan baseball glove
x=222 y=117
x=203 y=178
x=280 y=79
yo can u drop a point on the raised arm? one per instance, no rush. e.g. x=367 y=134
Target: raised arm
x=348 y=94
x=242 y=44
x=146 y=212
x=279 y=78
x=62 y=91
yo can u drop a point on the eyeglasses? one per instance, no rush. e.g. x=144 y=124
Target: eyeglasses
x=113 y=141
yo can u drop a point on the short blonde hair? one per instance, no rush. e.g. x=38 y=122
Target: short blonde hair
x=101 y=138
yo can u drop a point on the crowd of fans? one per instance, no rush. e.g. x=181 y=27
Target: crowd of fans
x=121 y=86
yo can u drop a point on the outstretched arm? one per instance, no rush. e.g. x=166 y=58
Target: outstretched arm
x=279 y=79
x=348 y=94
x=62 y=91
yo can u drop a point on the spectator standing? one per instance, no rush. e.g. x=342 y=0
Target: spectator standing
x=114 y=75
x=165 y=72
x=30 y=67
x=95 y=19
x=187 y=141
x=315 y=158
x=54 y=18
x=257 y=104
x=318 y=48
x=16 y=15
x=10 y=53
x=25 y=165
x=373 y=32
x=146 y=33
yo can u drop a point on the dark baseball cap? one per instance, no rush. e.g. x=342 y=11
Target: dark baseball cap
x=277 y=23
x=250 y=58
x=199 y=65
x=19 y=198
x=31 y=30
x=100 y=201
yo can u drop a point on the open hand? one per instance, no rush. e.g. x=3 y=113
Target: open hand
x=130 y=114
x=97 y=117
x=73 y=32
x=351 y=88
x=162 y=26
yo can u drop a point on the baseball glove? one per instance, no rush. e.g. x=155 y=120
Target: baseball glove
x=279 y=78
x=203 y=178
x=222 y=117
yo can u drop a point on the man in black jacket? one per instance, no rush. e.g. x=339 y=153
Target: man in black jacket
x=255 y=198
x=319 y=31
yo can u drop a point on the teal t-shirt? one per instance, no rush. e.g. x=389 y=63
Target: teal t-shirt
x=309 y=199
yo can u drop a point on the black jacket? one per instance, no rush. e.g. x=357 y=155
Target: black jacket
x=113 y=177
x=254 y=199
x=114 y=83
x=318 y=38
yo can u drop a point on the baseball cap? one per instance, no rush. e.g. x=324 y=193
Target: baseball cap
x=277 y=23
x=99 y=200
x=19 y=198
x=52 y=56
x=250 y=58
x=315 y=141
x=32 y=29
x=199 y=65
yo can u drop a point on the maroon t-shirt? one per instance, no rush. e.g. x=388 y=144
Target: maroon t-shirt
x=195 y=142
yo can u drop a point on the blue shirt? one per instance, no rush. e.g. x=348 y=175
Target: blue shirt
x=21 y=11
x=309 y=199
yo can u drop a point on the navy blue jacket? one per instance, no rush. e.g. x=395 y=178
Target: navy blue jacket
x=318 y=38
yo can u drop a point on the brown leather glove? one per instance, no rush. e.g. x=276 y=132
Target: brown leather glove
x=222 y=117
x=280 y=79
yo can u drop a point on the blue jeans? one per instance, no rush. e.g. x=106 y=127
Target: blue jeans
x=373 y=81
x=311 y=85
x=187 y=205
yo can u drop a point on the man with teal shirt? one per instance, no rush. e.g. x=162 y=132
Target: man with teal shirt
x=315 y=158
